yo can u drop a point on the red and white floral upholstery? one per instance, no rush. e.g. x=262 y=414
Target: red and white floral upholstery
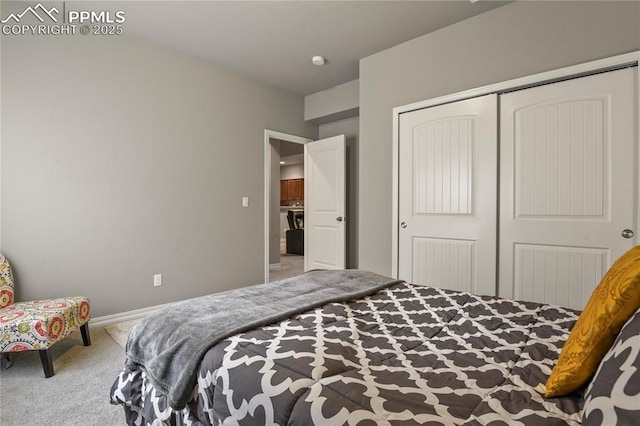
x=6 y=283
x=38 y=324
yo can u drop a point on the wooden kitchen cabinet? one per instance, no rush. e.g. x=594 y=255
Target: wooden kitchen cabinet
x=296 y=189
x=284 y=192
x=291 y=190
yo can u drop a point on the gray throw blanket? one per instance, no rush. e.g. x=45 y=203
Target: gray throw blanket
x=170 y=345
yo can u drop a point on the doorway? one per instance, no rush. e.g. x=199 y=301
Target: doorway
x=284 y=205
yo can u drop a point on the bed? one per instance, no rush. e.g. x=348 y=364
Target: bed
x=385 y=352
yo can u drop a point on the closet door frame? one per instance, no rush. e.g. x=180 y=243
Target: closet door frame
x=607 y=64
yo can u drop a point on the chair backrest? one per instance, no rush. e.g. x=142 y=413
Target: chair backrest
x=6 y=282
x=290 y=219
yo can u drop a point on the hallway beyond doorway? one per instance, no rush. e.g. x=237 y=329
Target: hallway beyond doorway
x=291 y=264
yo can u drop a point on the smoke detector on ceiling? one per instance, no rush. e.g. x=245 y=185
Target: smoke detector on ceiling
x=318 y=60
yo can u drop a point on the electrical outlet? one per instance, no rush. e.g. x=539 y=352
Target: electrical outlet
x=157 y=280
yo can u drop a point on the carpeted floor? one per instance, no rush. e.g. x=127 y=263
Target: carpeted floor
x=120 y=331
x=78 y=393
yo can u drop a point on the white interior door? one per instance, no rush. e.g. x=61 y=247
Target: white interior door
x=325 y=204
x=568 y=185
x=447 y=196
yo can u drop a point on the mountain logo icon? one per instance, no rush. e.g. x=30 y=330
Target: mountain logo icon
x=33 y=11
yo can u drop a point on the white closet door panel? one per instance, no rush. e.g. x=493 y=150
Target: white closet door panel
x=442 y=153
x=564 y=276
x=446 y=261
x=560 y=159
x=568 y=185
x=447 y=203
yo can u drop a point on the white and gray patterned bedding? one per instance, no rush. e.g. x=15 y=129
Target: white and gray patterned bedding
x=613 y=397
x=405 y=355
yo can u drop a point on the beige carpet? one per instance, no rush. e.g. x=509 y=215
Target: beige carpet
x=120 y=331
x=78 y=393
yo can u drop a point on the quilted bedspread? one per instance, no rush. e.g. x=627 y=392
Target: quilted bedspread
x=405 y=355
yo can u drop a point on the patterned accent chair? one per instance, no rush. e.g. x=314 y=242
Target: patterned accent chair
x=37 y=325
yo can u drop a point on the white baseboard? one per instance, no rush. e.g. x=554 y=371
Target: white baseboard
x=275 y=266
x=106 y=320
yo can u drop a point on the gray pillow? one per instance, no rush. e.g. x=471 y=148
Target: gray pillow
x=613 y=396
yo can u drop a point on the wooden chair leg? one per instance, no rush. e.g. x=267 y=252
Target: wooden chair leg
x=86 y=338
x=47 y=363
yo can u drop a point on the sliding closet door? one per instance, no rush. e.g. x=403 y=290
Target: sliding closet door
x=568 y=186
x=447 y=196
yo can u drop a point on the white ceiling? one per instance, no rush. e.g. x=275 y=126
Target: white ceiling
x=273 y=41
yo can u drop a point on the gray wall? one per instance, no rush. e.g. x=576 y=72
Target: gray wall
x=334 y=104
x=295 y=171
x=349 y=128
x=122 y=159
x=515 y=40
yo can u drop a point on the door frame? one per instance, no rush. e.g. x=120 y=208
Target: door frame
x=268 y=135
x=588 y=68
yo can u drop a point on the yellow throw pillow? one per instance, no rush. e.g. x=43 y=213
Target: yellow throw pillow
x=612 y=303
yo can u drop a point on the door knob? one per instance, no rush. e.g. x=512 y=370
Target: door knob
x=628 y=233
x=403 y=225
x=339 y=218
